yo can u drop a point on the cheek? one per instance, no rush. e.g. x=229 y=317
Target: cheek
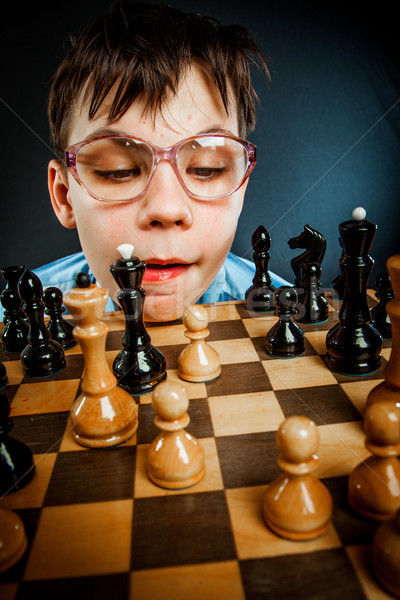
x=219 y=225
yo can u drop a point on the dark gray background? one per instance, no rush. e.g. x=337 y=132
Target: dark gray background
x=328 y=131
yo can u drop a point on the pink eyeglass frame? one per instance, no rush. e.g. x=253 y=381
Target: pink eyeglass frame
x=170 y=154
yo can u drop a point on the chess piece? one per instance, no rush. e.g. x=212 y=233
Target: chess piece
x=13 y=540
x=175 y=459
x=3 y=376
x=386 y=554
x=260 y=296
x=15 y=332
x=353 y=344
x=16 y=460
x=198 y=361
x=60 y=329
x=139 y=366
x=312 y=306
x=315 y=248
x=11 y=275
x=389 y=389
x=42 y=356
x=374 y=485
x=297 y=505
x=285 y=339
x=103 y=414
x=379 y=315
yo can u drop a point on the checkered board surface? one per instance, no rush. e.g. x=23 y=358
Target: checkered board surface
x=98 y=528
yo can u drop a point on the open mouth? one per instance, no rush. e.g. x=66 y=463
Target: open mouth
x=156 y=272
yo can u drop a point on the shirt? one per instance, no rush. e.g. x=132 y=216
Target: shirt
x=231 y=283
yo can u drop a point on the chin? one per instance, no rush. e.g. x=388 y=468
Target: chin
x=163 y=308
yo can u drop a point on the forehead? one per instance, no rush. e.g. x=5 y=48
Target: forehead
x=196 y=106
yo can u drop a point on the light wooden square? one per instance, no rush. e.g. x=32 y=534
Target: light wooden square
x=214 y=581
x=233 y=351
x=299 y=372
x=341 y=449
x=81 y=539
x=45 y=397
x=358 y=391
x=245 y=413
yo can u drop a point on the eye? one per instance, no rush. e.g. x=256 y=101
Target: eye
x=118 y=175
x=206 y=172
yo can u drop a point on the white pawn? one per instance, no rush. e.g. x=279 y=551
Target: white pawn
x=198 y=361
x=374 y=485
x=386 y=554
x=297 y=505
x=175 y=459
x=13 y=540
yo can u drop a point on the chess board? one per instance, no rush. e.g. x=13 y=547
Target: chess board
x=97 y=527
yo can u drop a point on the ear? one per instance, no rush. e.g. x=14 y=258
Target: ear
x=59 y=194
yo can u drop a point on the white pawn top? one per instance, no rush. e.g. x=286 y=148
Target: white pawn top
x=126 y=250
x=359 y=213
x=195 y=318
x=170 y=400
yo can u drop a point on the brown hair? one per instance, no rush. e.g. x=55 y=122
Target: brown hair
x=144 y=49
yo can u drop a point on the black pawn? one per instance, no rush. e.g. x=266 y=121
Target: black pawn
x=285 y=339
x=15 y=332
x=42 y=356
x=384 y=293
x=312 y=306
x=11 y=275
x=3 y=376
x=260 y=296
x=353 y=344
x=16 y=460
x=139 y=367
x=60 y=329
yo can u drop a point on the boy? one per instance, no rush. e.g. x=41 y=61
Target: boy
x=149 y=112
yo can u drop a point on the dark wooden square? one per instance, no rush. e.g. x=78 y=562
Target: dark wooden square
x=226 y=330
x=324 y=575
x=243 y=378
x=42 y=433
x=101 y=587
x=181 y=529
x=248 y=459
x=323 y=404
x=114 y=340
x=95 y=475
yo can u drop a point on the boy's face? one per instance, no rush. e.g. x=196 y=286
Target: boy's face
x=165 y=226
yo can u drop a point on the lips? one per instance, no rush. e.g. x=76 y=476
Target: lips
x=163 y=271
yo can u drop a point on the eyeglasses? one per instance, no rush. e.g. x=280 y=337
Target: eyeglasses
x=119 y=167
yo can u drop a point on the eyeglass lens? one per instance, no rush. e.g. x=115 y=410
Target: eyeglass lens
x=119 y=168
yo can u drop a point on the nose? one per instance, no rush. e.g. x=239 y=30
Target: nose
x=165 y=203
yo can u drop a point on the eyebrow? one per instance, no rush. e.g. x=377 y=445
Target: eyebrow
x=109 y=131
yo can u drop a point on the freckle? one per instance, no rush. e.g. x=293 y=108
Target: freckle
x=189 y=117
